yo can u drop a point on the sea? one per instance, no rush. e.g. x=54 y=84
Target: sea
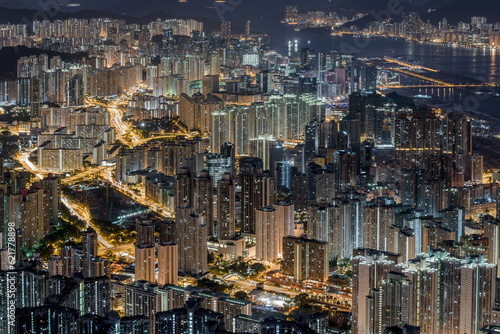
x=472 y=62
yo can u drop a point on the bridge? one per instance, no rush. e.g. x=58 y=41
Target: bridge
x=88 y=173
x=437 y=83
x=428 y=86
x=226 y=276
x=408 y=64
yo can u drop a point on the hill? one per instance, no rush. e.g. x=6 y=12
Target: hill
x=9 y=56
x=12 y=15
x=463 y=10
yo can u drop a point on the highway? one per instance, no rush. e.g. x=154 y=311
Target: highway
x=74 y=210
x=428 y=86
x=23 y=159
x=116 y=117
x=126 y=191
x=89 y=172
x=122 y=127
x=126 y=250
x=408 y=64
x=84 y=215
x=438 y=79
x=268 y=287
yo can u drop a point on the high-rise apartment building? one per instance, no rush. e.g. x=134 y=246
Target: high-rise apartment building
x=142 y=298
x=68 y=260
x=90 y=243
x=367 y=273
x=378 y=219
x=417 y=137
x=145 y=263
x=192 y=317
x=436 y=292
x=226 y=28
x=269 y=233
x=191 y=236
x=226 y=208
x=184 y=188
x=257 y=191
x=285 y=215
x=144 y=231
x=55 y=265
x=204 y=198
x=231 y=308
x=305 y=259
x=345 y=169
x=168 y=263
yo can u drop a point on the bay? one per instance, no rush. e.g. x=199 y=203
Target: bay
x=478 y=63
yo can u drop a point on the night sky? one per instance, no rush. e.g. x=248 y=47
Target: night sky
x=237 y=9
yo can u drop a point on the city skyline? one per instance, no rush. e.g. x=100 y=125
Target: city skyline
x=197 y=172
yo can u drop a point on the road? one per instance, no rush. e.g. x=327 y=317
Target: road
x=126 y=191
x=23 y=159
x=122 y=127
x=116 y=118
x=272 y=288
x=89 y=172
x=127 y=250
x=428 y=86
x=408 y=64
x=251 y=286
x=84 y=215
x=75 y=210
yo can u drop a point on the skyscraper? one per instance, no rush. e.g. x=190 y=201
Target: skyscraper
x=55 y=265
x=269 y=233
x=90 y=243
x=285 y=215
x=191 y=236
x=142 y=298
x=226 y=28
x=145 y=263
x=144 y=231
x=299 y=186
x=378 y=219
x=68 y=260
x=134 y=324
x=97 y=296
x=52 y=186
x=35 y=98
x=367 y=273
x=226 y=208
x=437 y=292
x=168 y=263
x=204 y=199
x=417 y=137
x=247 y=28
x=345 y=169
x=50 y=317
x=276 y=154
x=477 y=281
x=184 y=187
x=305 y=259
x=368 y=79
x=190 y=318
x=257 y=191
x=312 y=141
x=228 y=150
